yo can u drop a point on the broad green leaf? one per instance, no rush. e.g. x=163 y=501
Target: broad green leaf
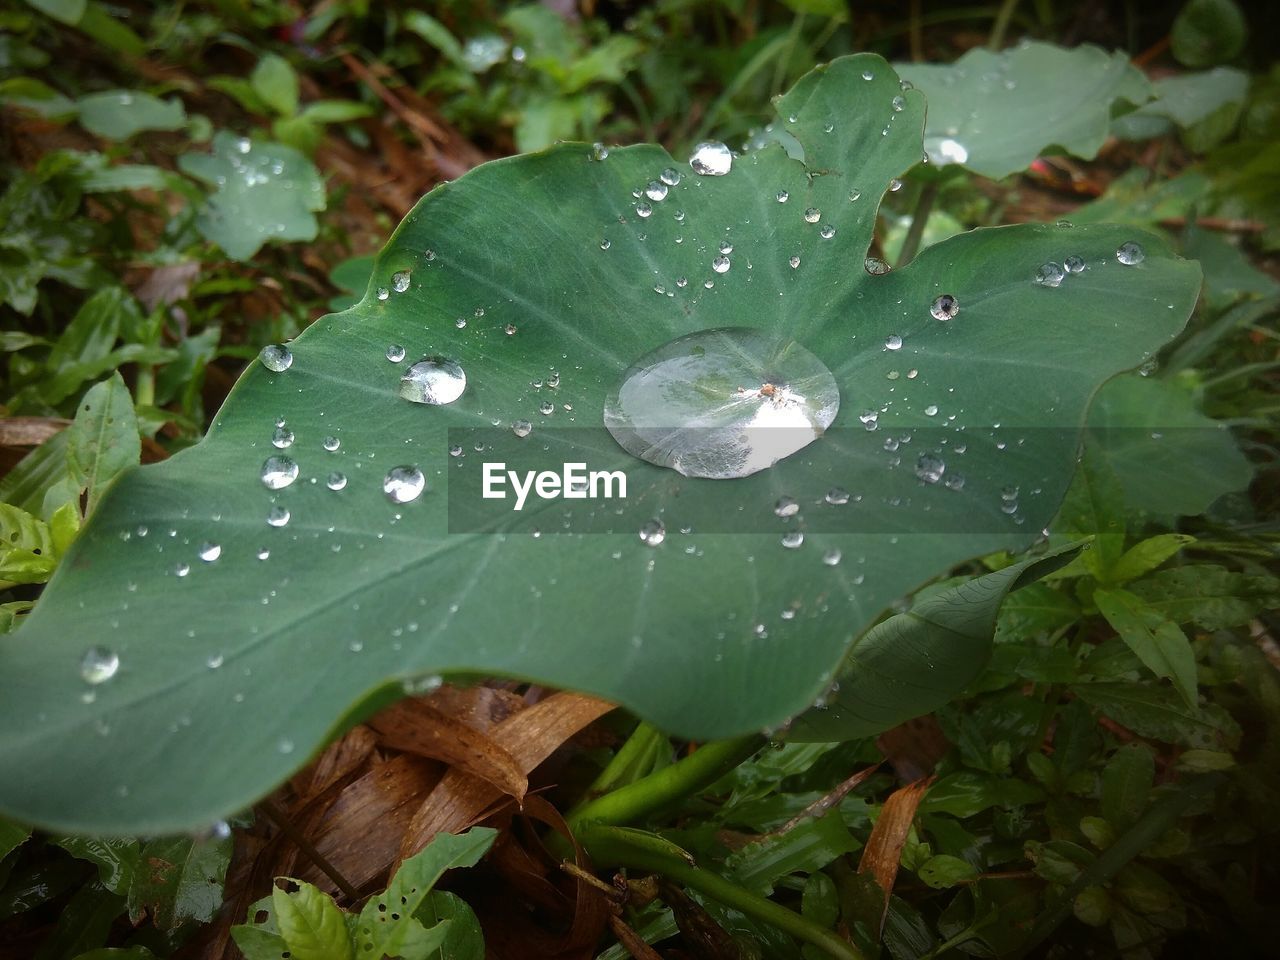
x=994 y=113
x=265 y=191
x=311 y=923
x=119 y=114
x=808 y=847
x=179 y=879
x=464 y=940
x=945 y=871
x=967 y=793
x=275 y=81
x=1169 y=458
x=387 y=923
x=719 y=631
x=115 y=857
x=437 y=34
x=1126 y=784
x=84 y=923
x=103 y=439
x=1203 y=106
x=1213 y=598
x=1228 y=273
x=28 y=93
x=1146 y=555
x=12 y=836
x=1159 y=712
x=1207 y=32
x=258 y=944
x=916 y=661
x=1157 y=641
x=27 y=553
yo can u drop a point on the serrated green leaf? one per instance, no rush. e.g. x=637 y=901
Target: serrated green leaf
x=276 y=82
x=994 y=113
x=805 y=848
x=265 y=191
x=311 y=923
x=1160 y=713
x=119 y=114
x=103 y=439
x=387 y=923
x=669 y=633
x=1157 y=641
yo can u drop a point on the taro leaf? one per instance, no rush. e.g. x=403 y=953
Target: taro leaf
x=711 y=633
x=1204 y=106
x=1170 y=459
x=266 y=191
x=916 y=661
x=994 y=113
x=119 y=114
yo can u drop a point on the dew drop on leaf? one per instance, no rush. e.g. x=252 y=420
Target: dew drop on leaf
x=875 y=266
x=782 y=196
x=670 y=176
x=435 y=380
x=395 y=353
x=276 y=358
x=944 y=307
x=786 y=507
x=521 y=428
x=832 y=557
x=656 y=191
x=792 y=539
x=837 y=496
x=278 y=472
x=1074 y=264
x=282 y=438
x=893 y=342
x=812 y=215
x=331 y=443
x=720 y=264
x=722 y=403
x=652 y=533
x=277 y=516
x=99 y=664
x=930 y=468
x=400 y=281
x=711 y=159
x=1130 y=253
x=336 y=481
x=209 y=551
x=1050 y=274
x=403 y=484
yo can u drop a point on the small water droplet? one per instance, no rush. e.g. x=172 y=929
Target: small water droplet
x=875 y=266
x=812 y=215
x=331 y=443
x=711 y=159
x=278 y=472
x=395 y=353
x=1050 y=274
x=944 y=307
x=285 y=745
x=720 y=264
x=209 y=551
x=652 y=533
x=214 y=661
x=277 y=516
x=786 y=507
x=546 y=408
x=435 y=380
x=521 y=428
x=400 y=281
x=643 y=209
x=898 y=103
x=1130 y=253
x=827 y=231
x=670 y=176
x=832 y=557
x=336 y=481
x=403 y=484
x=276 y=358
x=182 y=569
x=792 y=539
x=895 y=185
x=930 y=468
x=263 y=553
x=1074 y=264
x=794 y=261
x=509 y=329
x=98 y=665
x=854 y=195
x=605 y=244
x=782 y=196
x=893 y=342
x=931 y=410
x=599 y=151
x=383 y=293
x=837 y=496
x=656 y=191
x=868 y=75
x=282 y=438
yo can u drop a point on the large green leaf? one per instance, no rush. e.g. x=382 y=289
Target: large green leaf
x=233 y=670
x=996 y=112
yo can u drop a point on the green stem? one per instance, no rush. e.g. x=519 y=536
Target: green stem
x=924 y=204
x=613 y=846
x=145 y=387
x=1001 y=25
x=702 y=768
x=633 y=759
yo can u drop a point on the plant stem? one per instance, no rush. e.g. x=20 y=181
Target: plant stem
x=1001 y=25
x=924 y=204
x=281 y=820
x=635 y=755
x=685 y=777
x=610 y=845
x=145 y=387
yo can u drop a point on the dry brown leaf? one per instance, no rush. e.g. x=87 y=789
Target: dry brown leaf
x=415 y=726
x=29 y=431
x=884 y=847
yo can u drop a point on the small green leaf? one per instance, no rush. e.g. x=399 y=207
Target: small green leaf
x=28 y=93
x=276 y=82
x=1058 y=861
x=1126 y=784
x=1158 y=712
x=27 y=553
x=966 y=793
x=334 y=111
x=119 y=114
x=1092 y=905
x=807 y=847
x=179 y=879
x=387 y=923
x=115 y=857
x=1147 y=555
x=945 y=871
x=103 y=439
x=1094 y=507
x=1098 y=831
x=259 y=944
x=1157 y=641
x=463 y=939
x=1211 y=597
x=311 y=923
x=1205 y=761
x=265 y=191
x=1207 y=32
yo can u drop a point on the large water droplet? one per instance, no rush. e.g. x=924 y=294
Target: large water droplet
x=209 y=551
x=722 y=403
x=893 y=342
x=336 y=481
x=1074 y=264
x=1130 y=253
x=930 y=468
x=521 y=428
x=875 y=266
x=434 y=380
x=721 y=264
x=812 y=215
x=792 y=539
x=99 y=664
x=403 y=484
x=711 y=159
x=278 y=516
x=1050 y=274
x=331 y=443
x=395 y=353
x=656 y=191
x=276 y=358
x=670 y=176
x=944 y=307
x=278 y=472
x=400 y=281
x=786 y=507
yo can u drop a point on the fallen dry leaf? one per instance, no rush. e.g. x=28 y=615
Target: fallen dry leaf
x=884 y=847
